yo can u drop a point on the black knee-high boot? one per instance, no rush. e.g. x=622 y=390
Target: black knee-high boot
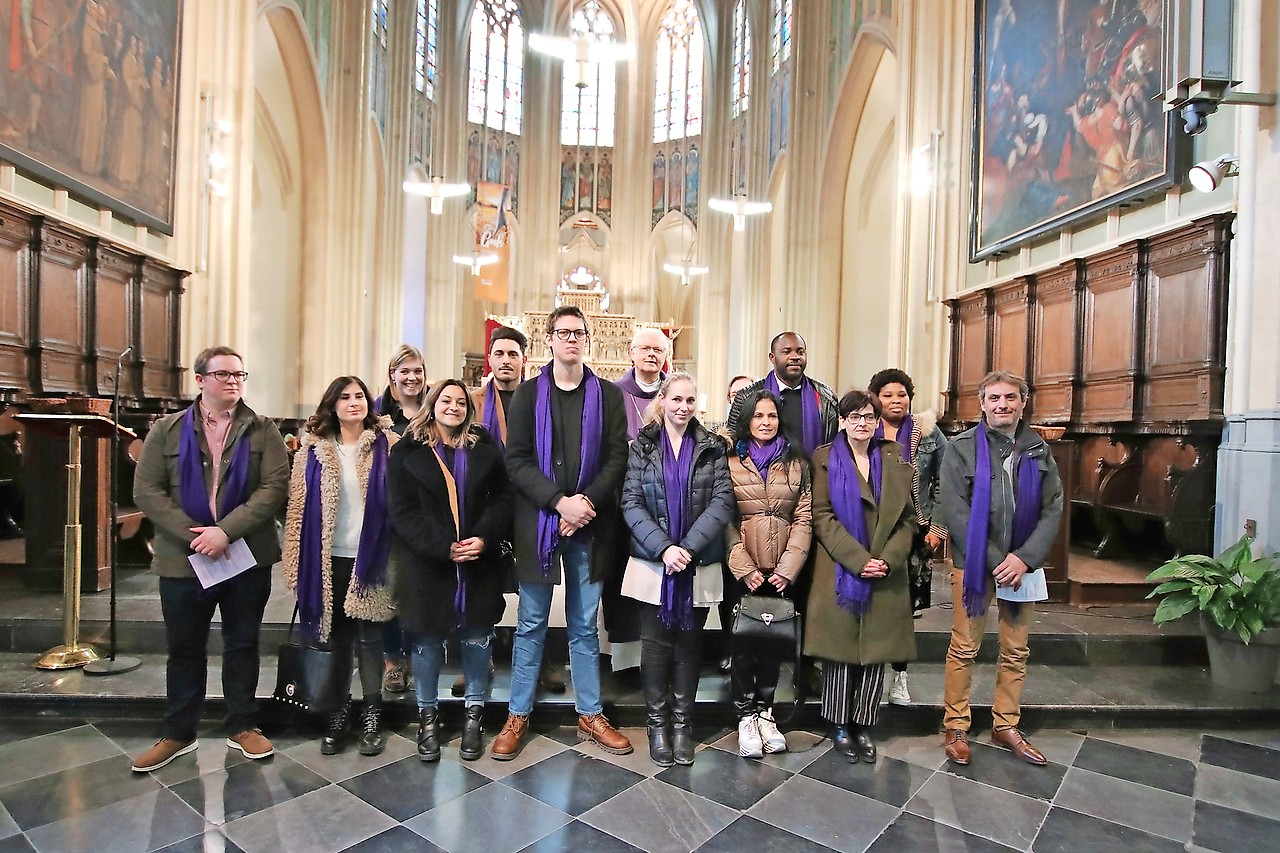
x=656 y=653
x=684 y=692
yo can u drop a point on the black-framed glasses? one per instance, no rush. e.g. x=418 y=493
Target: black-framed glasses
x=227 y=375
x=861 y=417
x=571 y=334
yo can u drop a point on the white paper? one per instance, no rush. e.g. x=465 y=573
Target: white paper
x=1033 y=588
x=211 y=570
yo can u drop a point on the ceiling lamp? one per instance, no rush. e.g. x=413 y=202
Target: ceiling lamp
x=476 y=260
x=436 y=190
x=582 y=51
x=740 y=208
x=686 y=270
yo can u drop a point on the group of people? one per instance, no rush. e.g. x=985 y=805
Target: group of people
x=407 y=520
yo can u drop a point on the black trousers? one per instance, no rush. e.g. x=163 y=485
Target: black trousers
x=670 y=664
x=188 y=611
x=754 y=667
x=357 y=639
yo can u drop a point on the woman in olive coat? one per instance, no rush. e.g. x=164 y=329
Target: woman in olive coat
x=859 y=614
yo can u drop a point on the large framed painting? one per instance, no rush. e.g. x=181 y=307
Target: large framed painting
x=1066 y=125
x=88 y=99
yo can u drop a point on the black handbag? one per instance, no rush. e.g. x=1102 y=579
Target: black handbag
x=771 y=620
x=305 y=677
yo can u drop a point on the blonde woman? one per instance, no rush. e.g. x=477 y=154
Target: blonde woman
x=450 y=507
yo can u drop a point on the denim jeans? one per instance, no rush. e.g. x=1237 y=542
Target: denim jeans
x=581 y=601
x=188 y=611
x=476 y=645
x=395 y=644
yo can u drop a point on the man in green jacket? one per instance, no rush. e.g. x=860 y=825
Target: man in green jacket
x=210 y=476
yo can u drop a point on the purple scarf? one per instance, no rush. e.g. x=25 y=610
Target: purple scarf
x=676 y=609
x=495 y=418
x=853 y=592
x=814 y=434
x=544 y=436
x=192 y=494
x=375 y=538
x=906 y=428
x=459 y=471
x=635 y=413
x=764 y=455
x=1026 y=514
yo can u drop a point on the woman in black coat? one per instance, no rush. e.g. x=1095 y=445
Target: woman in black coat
x=450 y=506
x=676 y=500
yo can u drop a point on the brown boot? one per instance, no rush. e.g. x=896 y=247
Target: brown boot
x=510 y=740
x=957 y=746
x=596 y=728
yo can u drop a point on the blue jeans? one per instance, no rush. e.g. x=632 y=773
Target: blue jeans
x=581 y=601
x=428 y=654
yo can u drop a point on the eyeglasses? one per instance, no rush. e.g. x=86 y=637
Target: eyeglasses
x=654 y=350
x=227 y=375
x=571 y=334
x=861 y=417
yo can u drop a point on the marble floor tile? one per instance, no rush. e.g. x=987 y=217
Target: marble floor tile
x=49 y=753
x=917 y=835
x=492 y=819
x=825 y=814
x=147 y=822
x=1240 y=791
x=397 y=839
x=535 y=749
x=14 y=728
x=1128 y=803
x=227 y=795
x=746 y=833
x=211 y=840
x=1060 y=747
x=661 y=818
x=1231 y=831
x=726 y=779
x=1244 y=757
x=323 y=821
x=349 y=762
x=572 y=782
x=920 y=750
x=637 y=761
x=578 y=837
x=8 y=826
x=70 y=792
x=803 y=748
x=1065 y=831
x=1001 y=816
x=16 y=844
x=410 y=787
x=1138 y=765
x=1178 y=743
x=888 y=780
x=1000 y=768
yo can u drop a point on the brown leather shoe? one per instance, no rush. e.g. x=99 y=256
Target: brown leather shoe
x=957 y=746
x=596 y=728
x=510 y=740
x=1012 y=740
x=252 y=743
x=162 y=753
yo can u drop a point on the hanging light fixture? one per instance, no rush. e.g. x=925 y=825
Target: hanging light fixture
x=686 y=269
x=437 y=190
x=581 y=49
x=476 y=260
x=740 y=208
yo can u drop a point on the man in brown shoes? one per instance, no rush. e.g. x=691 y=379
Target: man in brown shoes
x=1001 y=502
x=212 y=479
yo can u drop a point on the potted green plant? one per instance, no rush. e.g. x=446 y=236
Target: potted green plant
x=1238 y=598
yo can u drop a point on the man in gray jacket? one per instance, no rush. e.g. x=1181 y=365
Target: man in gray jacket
x=1001 y=504
x=209 y=476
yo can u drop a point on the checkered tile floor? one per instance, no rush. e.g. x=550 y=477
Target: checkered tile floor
x=66 y=786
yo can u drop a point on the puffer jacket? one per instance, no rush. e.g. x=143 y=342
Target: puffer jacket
x=775 y=519
x=375 y=605
x=711 y=504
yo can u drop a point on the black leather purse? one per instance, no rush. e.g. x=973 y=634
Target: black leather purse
x=766 y=619
x=305 y=675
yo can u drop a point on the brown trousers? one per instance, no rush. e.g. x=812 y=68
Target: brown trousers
x=966 y=639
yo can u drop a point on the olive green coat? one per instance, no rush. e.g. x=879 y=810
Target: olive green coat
x=885 y=634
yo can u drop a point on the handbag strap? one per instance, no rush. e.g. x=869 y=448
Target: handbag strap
x=293 y=620
x=451 y=486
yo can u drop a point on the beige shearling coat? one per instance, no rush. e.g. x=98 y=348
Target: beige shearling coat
x=375 y=605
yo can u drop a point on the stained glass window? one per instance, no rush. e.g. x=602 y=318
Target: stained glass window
x=378 y=67
x=740 y=96
x=495 y=82
x=780 y=42
x=426 y=40
x=587 y=113
x=677 y=108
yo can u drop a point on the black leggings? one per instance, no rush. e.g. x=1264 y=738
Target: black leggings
x=347 y=636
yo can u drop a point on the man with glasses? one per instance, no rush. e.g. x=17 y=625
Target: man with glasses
x=210 y=477
x=566 y=454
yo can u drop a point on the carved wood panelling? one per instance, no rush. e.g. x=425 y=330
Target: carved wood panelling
x=63 y=309
x=113 y=317
x=15 y=294
x=1112 y=326
x=974 y=351
x=161 y=290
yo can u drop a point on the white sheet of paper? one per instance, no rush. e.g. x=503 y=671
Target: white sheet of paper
x=1033 y=588
x=210 y=570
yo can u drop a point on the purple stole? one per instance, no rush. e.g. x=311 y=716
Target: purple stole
x=544 y=436
x=495 y=418
x=192 y=496
x=764 y=455
x=907 y=428
x=853 y=592
x=633 y=392
x=811 y=419
x=676 y=607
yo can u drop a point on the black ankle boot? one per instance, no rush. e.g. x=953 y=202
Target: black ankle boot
x=660 y=752
x=843 y=743
x=863 y=743
x=372 y=738
x=472 y=746
x=337 y=731
x=429 y=735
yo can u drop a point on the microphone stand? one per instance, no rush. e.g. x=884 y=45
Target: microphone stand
x=113 y=664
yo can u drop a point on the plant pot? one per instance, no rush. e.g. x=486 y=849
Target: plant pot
x=1233 y=664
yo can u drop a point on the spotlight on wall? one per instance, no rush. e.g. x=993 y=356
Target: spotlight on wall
x=1207 y=175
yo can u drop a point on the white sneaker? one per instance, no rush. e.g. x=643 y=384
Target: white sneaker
x=773 y=740
x=749 y=743
x=898 y=693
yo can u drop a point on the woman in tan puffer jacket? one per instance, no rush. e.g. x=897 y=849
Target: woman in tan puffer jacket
x=768 y=548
